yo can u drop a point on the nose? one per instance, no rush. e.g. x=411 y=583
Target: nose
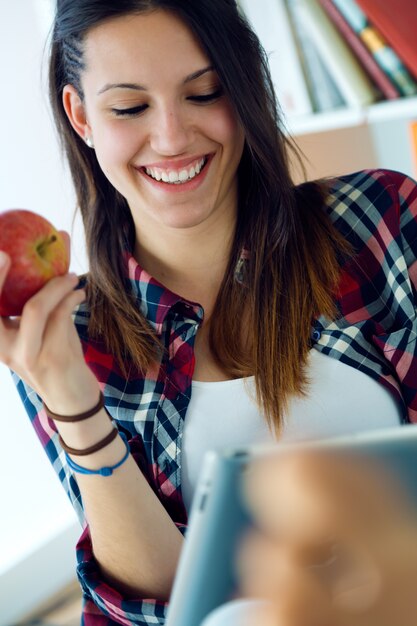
x=171 y=132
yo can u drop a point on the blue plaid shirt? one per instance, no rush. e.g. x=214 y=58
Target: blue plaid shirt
x=376 y=210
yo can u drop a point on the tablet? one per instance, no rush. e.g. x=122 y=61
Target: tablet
x=206 y=576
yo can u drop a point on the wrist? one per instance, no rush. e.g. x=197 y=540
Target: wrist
x=103 y=461
x=75 y=398
x=86 y=433
x=68 y=403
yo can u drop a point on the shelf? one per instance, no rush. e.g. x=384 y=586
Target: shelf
x=404 y=108
x=398 y=109
x=326 y=121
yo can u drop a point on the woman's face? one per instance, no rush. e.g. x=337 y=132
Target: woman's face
x=164 y=134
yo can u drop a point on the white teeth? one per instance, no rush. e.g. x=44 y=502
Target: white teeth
x=176 y=177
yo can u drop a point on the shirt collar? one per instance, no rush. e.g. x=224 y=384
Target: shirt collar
x=155 y=300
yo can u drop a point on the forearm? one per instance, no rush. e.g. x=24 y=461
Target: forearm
x=135 y=542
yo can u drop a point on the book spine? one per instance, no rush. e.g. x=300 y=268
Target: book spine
x=344 y=68
x=388 y=88
x=383 y=54
x=270 y=21
x=396 y=21
x=324 y=93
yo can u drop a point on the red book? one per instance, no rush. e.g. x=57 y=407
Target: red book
x=364 y=55
x=397 y=21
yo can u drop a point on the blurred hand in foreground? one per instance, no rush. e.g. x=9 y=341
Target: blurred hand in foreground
x=335 y=545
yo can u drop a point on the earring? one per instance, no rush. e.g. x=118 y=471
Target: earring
x=89 y=142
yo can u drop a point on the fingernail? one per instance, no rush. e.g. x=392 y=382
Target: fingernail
x=3 y=259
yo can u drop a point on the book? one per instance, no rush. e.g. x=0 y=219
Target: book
x=323 y=91
x=384 y=54
x=270 y=21
x=343 y=66
x=364 y=55
x=397 y=21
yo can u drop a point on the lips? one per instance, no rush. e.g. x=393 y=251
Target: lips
x=176 y=164
x=176 y=176
x=173 y=182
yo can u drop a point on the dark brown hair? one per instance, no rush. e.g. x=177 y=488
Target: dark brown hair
x=293 y=268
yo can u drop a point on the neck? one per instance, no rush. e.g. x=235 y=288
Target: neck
x=191 y=262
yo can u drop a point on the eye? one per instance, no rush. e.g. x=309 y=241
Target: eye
x=207 y=97
x=131 y=112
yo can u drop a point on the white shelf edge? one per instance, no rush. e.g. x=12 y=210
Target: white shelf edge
x=384 y=111
x=404 y=108
x=325 y=121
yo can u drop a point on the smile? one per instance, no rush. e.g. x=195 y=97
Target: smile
x=176 y=177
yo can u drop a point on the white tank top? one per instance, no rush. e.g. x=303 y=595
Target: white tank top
x=341 y=400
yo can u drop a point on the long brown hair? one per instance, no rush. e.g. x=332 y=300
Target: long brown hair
x=293 y=269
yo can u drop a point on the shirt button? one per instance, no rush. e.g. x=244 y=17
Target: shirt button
x=316 y=335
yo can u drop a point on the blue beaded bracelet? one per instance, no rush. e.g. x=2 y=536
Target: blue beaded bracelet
x=103 y=471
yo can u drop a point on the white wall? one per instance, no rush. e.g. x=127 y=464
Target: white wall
x=38 y=528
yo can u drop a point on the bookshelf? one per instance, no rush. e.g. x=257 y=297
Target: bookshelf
x=358 y=135
x=389 y=110
x=346 y=140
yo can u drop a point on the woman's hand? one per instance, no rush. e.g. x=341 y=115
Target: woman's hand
x=42 y=345
x=336 y=546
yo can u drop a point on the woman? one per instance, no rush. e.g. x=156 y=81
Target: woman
x=205 y=282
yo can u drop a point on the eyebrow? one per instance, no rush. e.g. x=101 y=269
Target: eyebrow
x=137 y=87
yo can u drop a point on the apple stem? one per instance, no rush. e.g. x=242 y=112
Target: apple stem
x=42 y=246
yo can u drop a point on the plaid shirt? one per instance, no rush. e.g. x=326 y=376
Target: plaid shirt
x=376 y=211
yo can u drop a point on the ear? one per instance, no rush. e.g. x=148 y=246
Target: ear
x=75 y=110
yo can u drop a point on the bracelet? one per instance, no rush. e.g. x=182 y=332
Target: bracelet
x=103 y=471
x=94 y=448
x=80 y=416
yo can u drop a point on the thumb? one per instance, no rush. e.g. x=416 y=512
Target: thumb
x=67 y=240
x=4 y=270
x=4 y=266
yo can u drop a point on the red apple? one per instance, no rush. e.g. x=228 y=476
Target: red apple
x=38 y=252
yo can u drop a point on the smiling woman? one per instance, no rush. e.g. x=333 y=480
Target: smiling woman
x=205 y=282
x=163 y=117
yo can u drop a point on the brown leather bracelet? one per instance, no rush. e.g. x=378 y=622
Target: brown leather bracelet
x=80 y=416
x=95 y=448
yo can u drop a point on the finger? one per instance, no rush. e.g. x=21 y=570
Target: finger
x=60 y=323
x=60 y=330
x=261 y=566
x=67 y=240
x=282 y=492
x=35 y=317
x=4 y=268
x=272 y=573
x=334 y=491
x=6 y=324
